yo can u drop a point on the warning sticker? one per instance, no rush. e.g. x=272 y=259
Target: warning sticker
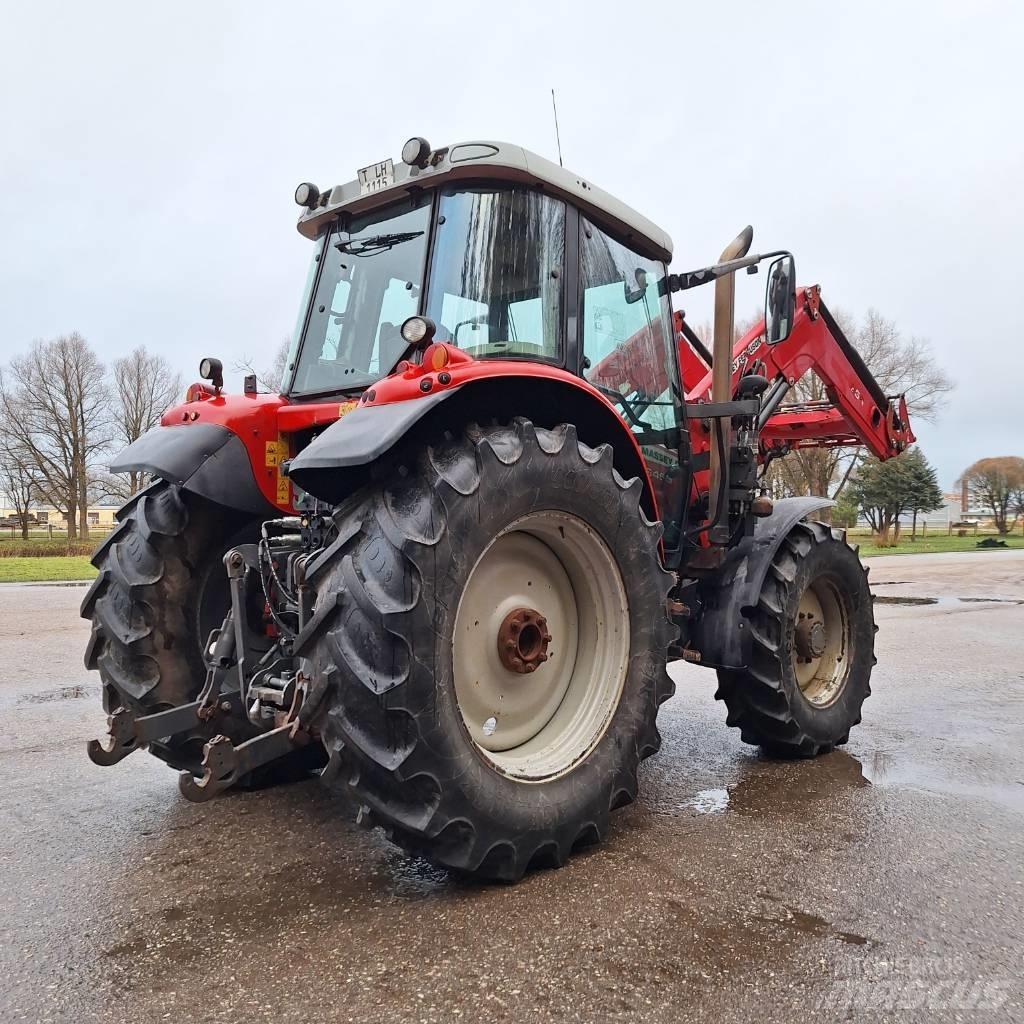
x=277 y=452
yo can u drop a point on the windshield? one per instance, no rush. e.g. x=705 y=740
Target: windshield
x=496 y=273
x=368 y=284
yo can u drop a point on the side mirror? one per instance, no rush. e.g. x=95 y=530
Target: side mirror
x=636 y=294
x=474 y=323
x=780 y=300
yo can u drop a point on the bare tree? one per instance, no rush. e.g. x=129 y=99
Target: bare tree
x=1017 y=502
x=55 y=404
x=144 y=387
x=17 y=479
x=271 y=378
x=903 y=365
x=996 y=482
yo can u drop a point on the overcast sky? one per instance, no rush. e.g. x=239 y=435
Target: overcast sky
x=148 y=155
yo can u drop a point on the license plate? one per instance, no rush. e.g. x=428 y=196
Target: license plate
x=376 y=176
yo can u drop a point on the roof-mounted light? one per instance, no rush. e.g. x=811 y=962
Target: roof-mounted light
x=212 y=370
x=418 y=331
x=307 y=195
x=416 y=152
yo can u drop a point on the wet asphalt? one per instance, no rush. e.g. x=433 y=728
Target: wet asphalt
x=884 y=882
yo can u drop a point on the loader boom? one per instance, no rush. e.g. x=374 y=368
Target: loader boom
x=856 y=412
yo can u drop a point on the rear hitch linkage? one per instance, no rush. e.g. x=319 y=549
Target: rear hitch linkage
x=126 y=734
x=223 y=763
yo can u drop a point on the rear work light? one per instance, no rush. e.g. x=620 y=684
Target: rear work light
x=418 y=331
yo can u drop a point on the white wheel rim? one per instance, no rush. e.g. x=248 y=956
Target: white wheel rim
x=821 y=676
x=537 y=725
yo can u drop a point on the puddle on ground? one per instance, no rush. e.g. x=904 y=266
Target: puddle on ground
x=415 y=877
x=810 y=924
x=896 y=771
x=945 y=601
x=771 y=787
x=61 y=693
x=710 y=801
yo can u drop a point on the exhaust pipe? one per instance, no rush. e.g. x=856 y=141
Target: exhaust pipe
x=721 y=379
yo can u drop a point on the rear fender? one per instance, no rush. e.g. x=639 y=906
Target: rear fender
x=205 y=458
x=722 y=634
x=339 y=459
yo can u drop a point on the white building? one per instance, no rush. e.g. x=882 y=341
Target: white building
x=947 y=514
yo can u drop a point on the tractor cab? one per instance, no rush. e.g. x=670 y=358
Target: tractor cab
x=508 y=257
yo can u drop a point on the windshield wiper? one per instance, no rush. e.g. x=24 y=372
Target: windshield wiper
x=374 y=244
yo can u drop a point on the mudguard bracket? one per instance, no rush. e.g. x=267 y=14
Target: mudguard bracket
x=721 y=634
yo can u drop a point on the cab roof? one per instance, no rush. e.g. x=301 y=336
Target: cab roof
x=501 y=162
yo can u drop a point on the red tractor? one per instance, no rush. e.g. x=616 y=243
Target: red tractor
x=503 y=486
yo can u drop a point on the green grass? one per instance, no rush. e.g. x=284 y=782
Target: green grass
x=53 y=567
x=929 y=544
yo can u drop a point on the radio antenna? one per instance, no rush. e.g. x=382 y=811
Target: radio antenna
x=558 y=138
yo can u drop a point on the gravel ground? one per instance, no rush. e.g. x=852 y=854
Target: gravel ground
x=884 y=882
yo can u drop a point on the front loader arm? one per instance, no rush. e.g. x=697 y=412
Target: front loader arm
x=857 y=411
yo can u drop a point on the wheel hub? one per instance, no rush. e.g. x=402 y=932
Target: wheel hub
x=523 y=640
x=810 y=638
x=821 y=638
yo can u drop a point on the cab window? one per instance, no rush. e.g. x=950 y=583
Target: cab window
x=368 y=282
x=496 y=280
x=628 y=353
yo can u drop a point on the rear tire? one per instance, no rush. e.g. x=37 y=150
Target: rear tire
x=804 y=688
x=161 y=588
x=416 y=761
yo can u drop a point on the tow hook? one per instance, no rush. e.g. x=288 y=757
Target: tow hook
x=224 y=763
x=126 y=734
x=121 y=740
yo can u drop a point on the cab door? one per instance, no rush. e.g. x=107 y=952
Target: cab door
x=628 y=353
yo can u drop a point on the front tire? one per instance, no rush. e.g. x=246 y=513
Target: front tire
x=812 y=636
x=453 y=722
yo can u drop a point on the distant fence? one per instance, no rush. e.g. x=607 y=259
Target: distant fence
x=47 y=542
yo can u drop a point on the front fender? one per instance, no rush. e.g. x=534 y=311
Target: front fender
x=722 y=635
x=205 y=458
